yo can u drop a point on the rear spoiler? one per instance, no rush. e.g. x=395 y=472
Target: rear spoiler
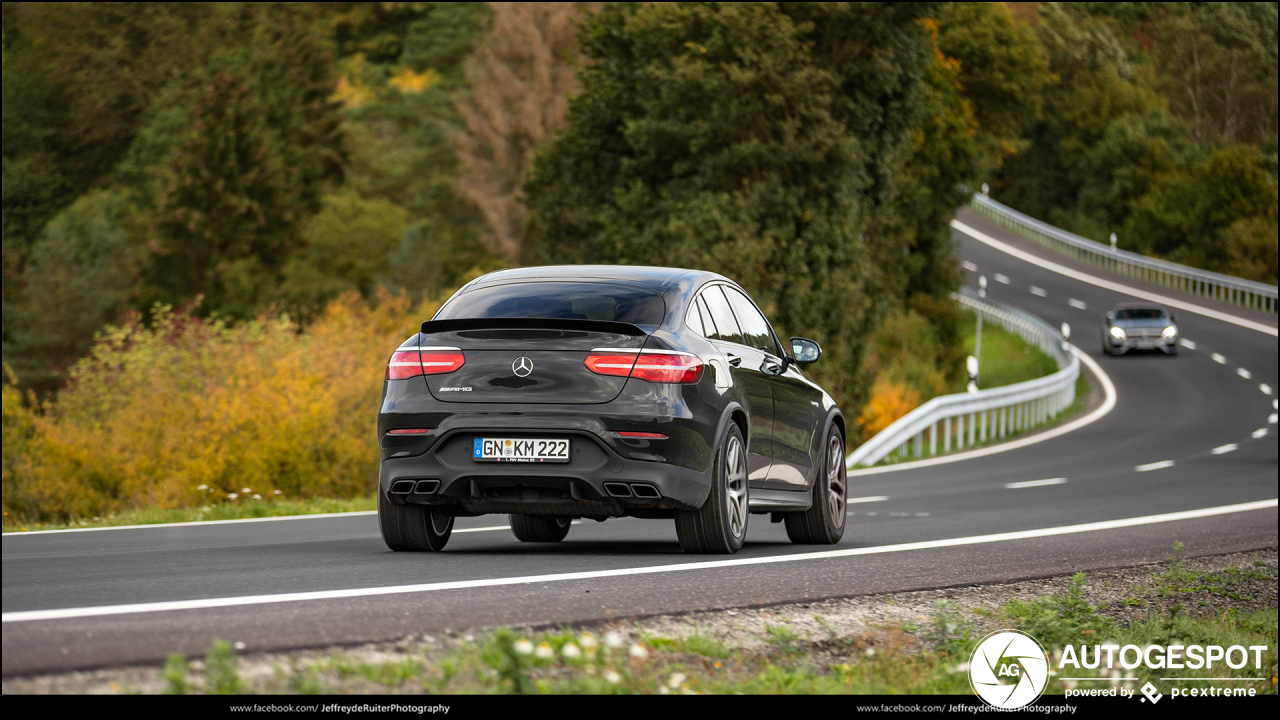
x=604 y=326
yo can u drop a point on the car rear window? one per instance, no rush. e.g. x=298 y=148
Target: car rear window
x=1140 y=314
x=560 y=301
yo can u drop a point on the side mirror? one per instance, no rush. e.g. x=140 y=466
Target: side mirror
x=1107 y=318
x=1173 y=317
x=805 y=351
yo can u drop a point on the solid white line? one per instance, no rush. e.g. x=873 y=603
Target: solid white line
x=1229 y=447
x=1260 y=432
x=1154 y=466
x=1187 y=344
x=196 y=523
x=1110 y=285
x=869 y=498
x=1108 y=403
x=1002 y=279
x=204 y=603
x=1038 y=291
x=1218 y=359
x=1244 y=373
x=1265 y=388
x=1077 y=304
x=1035 y=483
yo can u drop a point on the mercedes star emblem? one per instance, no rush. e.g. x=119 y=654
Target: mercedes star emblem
x=522 y=366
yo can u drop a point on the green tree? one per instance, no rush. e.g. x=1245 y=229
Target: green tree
x=234 y=161
x=763 y=144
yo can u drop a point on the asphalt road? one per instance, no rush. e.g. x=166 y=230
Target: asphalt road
x=946 y=525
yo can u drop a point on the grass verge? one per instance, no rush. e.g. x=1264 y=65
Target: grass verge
x=909 y=643
x=227 y=510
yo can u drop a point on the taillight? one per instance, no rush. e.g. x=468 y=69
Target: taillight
x=404 y=364
x=652 y=366
x=432 y=361
x=438 y=362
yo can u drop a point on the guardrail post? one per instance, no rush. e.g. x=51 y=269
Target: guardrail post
x=933 y=439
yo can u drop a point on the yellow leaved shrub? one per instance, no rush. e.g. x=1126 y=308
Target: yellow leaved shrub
x=190 y=411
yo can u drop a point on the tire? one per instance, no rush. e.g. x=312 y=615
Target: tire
x=532 y=528
x=823 y=523
x=720 y=525
x=413 y=528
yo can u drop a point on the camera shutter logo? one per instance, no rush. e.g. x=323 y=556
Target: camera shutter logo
x=522 y=366
x=1008 y=669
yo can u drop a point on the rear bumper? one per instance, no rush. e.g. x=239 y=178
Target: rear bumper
x=596 y=482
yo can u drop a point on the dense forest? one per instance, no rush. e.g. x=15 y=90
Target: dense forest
x=238 y=161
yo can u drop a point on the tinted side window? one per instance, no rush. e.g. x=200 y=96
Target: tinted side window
x=726 y=325
x=694 y=319
x=754 y=327
x=708 y=325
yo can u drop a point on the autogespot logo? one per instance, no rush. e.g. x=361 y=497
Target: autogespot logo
x=1008 y=669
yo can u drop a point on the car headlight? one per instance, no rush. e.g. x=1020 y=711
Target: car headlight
x=1117 y=333
x=1171 y=331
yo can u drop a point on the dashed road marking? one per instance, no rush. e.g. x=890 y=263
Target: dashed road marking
x=1221 y=449
x=1265 y=388
x=1271 y=418
x=1038 y=291
x=1244 y=373
x=1260 y=432
x=1002 y=279
x=1035 y=483
x=1154 y=466
x=869 y=498
x=922 y=514
x=968 y=265
x=1079 y=304
x=1218 y=359
x=1187 y=344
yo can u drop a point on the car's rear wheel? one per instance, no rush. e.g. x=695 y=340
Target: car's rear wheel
x=413 y=528
x=532 y=528
x=720 y=525
x=823 y=523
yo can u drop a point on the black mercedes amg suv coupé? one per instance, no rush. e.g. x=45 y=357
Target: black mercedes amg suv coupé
x=555 y=393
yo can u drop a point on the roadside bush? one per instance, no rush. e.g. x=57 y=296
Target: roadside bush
x=192 y=411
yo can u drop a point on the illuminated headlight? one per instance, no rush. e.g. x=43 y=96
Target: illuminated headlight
x=1117 y=333
x=1171 y=331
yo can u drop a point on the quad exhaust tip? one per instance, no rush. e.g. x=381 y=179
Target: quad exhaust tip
x=402 y=487
x=417 y=487
x=647 y=492
x=617 y=489
x=426 y=487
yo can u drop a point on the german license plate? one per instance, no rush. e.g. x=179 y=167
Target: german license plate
x=521 y=450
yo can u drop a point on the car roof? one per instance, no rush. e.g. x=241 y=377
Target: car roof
x=1138 y=306
x=660 y=276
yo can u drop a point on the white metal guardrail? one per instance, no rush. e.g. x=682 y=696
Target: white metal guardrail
x=1245 y=293
x=954 y=422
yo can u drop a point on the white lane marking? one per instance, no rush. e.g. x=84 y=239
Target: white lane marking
x=482 y=529
x=1038 y=291
x=1260 y=432
x=1187 y=344
x=205 y=603
x=1244 y=373
x=1108 y=403
x=1154 y=466
x=1224 y=448
x=197 y=523
x=1110 y=285
x=922 y=514
x=869 y=498
x=1218 y=359
x=1271 y=418
x=1079 y=304
x=1002 y=279
x=968 y=265
x=1035 y=483
x=1265 y=388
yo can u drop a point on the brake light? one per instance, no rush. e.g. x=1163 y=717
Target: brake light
x=430 y=361
x=409 y=431
x=651 y=366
